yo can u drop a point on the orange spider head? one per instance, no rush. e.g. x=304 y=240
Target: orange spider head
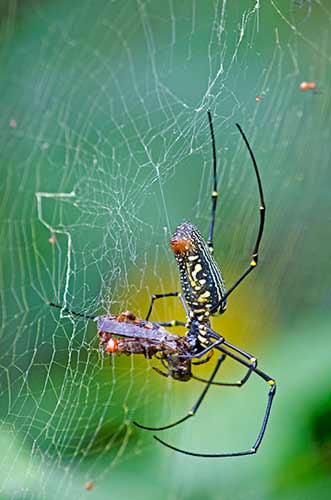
x=182 y=241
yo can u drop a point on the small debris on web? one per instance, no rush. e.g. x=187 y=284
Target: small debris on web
x=52 y=239
x=307 y=86
x=89 y=485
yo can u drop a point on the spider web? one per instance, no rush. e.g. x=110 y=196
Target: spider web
x=106 y=148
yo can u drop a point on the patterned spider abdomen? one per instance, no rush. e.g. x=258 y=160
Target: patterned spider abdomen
x=202 y=281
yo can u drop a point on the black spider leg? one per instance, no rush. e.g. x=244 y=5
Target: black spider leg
x=195 y=407
x=174 y=322
x=239 y=383
x=252 y=361
x=214 y=194
x=259 y=438
x=74 y=313
x=255 y=254
x=203 y=361
x=171 y=323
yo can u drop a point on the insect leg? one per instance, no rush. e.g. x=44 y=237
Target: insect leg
x=160 y=372
x=74 y=313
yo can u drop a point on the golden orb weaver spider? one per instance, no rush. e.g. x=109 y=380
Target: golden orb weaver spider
x=204 y=294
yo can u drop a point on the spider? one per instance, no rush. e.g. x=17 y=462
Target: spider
x=203 y=295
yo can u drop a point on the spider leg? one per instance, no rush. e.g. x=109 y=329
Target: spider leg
x=239 y=383
x=173 y=322
x=252 y=361
x=255 y=254
x=259 y=438
x=210 y=333
x=157 y=296
x=203 y=361
x=194 y=408
x=214 y=194
x=200 y=354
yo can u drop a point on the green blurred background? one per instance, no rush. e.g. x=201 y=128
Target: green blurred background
x=105 y=149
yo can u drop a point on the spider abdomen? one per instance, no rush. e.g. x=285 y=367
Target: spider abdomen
x=201 y=279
